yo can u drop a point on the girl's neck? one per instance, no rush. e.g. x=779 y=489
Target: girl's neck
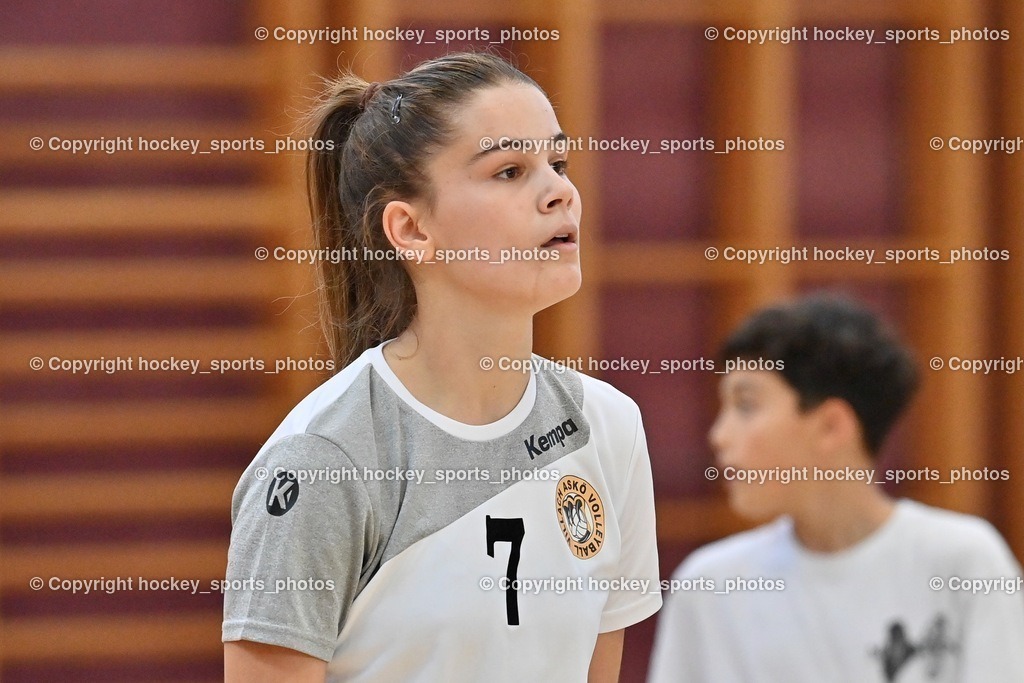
x=454 y=365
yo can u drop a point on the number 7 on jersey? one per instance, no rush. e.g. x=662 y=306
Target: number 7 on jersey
x=508 y=530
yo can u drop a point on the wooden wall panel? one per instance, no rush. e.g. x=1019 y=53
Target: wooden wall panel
x=130 y=257
x=152 y=254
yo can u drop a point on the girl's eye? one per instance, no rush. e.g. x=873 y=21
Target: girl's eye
x=510 y=173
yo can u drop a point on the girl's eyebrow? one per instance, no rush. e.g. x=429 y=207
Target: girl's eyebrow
x=560 y=136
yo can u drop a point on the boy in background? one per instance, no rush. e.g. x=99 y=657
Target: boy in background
x=844 y=583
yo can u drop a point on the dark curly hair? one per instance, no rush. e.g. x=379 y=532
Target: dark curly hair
x=830 y=346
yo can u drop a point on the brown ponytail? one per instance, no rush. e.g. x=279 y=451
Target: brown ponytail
x=367 y=158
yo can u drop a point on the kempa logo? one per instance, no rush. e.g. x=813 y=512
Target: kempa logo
x=536 y=445
x=283 y=492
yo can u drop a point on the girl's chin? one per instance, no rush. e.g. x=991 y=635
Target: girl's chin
x=564 y=287
x=526 y=289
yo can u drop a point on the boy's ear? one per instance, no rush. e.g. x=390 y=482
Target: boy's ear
x=837 y=425
x=403 y=227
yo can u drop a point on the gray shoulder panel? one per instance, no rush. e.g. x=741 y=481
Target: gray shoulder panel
x=419 y=477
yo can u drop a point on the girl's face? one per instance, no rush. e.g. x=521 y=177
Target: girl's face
x=504 y=226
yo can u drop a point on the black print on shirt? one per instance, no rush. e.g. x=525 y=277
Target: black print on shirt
x=899 y=650
x=539 y=443
x=283 y=492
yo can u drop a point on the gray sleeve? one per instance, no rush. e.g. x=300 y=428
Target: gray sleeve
x=302 y=525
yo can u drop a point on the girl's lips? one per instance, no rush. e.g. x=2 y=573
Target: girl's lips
x=556 y=240
x=565 y=236
x=566 y=246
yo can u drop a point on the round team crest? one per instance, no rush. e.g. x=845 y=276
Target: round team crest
x=580 y=515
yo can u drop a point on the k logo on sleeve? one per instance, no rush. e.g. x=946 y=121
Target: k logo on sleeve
x=283 y=493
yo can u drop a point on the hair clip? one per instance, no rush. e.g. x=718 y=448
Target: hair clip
x=395 y=115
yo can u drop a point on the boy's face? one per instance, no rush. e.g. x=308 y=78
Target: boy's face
x=760 y=428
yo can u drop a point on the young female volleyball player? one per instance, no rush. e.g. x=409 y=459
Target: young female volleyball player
x=424 y=515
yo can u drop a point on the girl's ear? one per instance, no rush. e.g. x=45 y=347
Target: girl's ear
x=404 y=229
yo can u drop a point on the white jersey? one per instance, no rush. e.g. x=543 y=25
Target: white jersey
x=931 y=597
x=401 y=545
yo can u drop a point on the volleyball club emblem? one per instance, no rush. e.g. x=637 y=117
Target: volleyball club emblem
x=580 y=515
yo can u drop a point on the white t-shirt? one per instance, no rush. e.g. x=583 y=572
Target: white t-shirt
x=383 y=534
x=890 y=609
